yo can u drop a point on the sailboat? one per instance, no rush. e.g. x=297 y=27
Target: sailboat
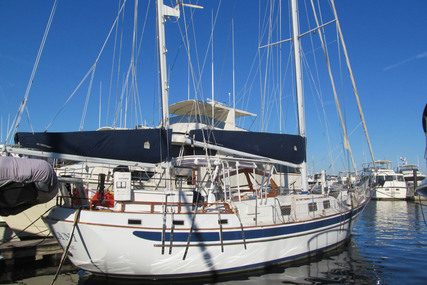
x=207 y=201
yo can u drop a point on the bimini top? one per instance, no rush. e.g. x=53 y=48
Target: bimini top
x=194 y=107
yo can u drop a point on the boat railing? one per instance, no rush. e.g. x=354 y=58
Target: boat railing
x=144 y=206
x=177 y=207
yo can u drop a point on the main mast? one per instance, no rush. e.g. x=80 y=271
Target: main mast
x=298 y=79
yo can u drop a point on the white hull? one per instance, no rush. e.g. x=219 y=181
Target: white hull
x=421 y=190
x=109 y=244
x=390 y=193
x=387 y=184
x=28 y=224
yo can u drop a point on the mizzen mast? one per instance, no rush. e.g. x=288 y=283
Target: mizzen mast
x=164 y=11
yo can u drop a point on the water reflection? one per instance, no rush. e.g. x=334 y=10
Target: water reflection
x=342 y=266
x=392 y=237
x=31 y=271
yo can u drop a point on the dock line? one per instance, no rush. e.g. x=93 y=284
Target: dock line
x=65 y=253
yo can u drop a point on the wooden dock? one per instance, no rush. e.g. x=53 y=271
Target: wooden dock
x=37 y=249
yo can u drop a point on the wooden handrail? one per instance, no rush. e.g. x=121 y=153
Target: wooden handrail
x=196 y=206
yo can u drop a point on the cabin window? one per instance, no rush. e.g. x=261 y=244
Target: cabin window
x=196 y=119
x=390 y=178
x=400 y=178
x=326 y=204
x=380 y=179
x=134 y=222
x=285 y=210
x=141 y=175
x=312 y=207
x=178 y=222
x=223 y=221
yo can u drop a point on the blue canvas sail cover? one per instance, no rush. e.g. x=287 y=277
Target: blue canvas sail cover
x=283 y=147
x=139 y=145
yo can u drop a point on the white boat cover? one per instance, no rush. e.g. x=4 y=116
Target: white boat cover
x=25 y=182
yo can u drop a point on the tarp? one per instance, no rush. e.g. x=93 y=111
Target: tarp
x=24 y=183
x=26 y=170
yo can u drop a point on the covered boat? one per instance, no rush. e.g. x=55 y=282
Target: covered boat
x=25 y=182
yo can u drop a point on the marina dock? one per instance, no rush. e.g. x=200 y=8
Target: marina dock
x=34 y=259
x=29 y=249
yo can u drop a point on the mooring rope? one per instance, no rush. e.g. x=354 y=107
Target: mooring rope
x=421 y=207
x=65 y=253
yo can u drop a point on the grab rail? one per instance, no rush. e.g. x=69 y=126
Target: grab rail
x=201 y=208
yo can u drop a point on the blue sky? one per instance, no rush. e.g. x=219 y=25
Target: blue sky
x=386 y=41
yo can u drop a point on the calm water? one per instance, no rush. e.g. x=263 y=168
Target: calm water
x=389 y=246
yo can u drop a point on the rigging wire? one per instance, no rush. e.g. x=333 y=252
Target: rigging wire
x=91 y=70
x=112 y=65
x=186 y=43
x=325 y=52
x=69 y=98
x=224 y=58
x=356 y=95
x=134 y=44
x=118 y=72
x=319 y=91
x=29 y=120
x=94 y=68
x=87 y=98
x=275 y=97
x=199 y=70
x=343 y=95
x=137 y=57
x=267 y=65
x=18 y=116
